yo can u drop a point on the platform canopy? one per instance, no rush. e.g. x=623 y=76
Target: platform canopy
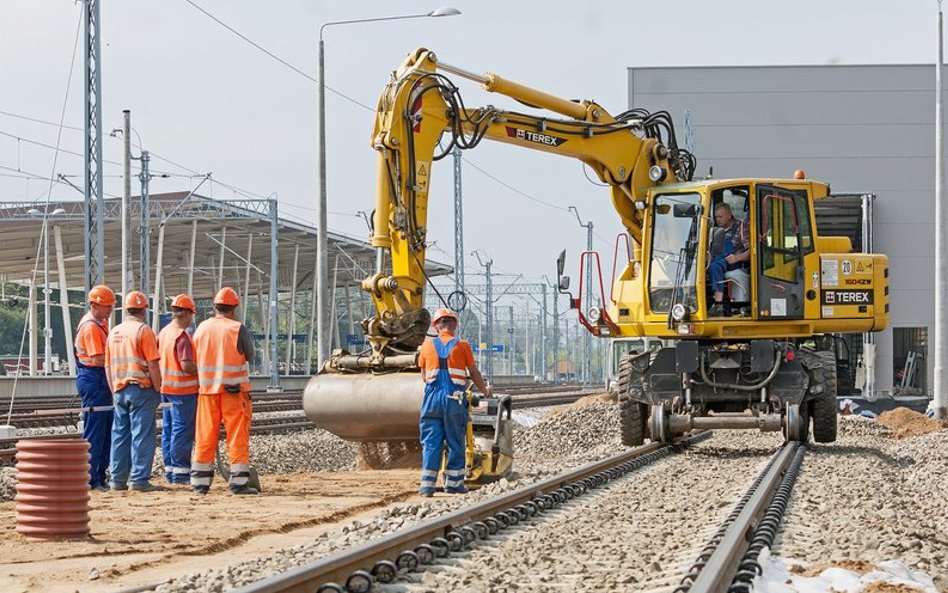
x=230 y=240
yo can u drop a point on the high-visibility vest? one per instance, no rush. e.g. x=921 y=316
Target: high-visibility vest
x=124 y=354
x=219 y=362
x=455 y=363
x=84 y=326
x=174 y=381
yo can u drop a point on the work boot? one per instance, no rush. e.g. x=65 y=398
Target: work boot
x=101 y=488
x=118 y=487
x=243 y=490
x=426 y=493
x=147 y=487
x=200 y=490
x=716 y=310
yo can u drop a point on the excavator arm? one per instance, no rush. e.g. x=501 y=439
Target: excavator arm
x=421 y=117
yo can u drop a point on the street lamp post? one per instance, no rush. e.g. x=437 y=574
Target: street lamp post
x=47 y=331
x=323 y=335
x=587 y=340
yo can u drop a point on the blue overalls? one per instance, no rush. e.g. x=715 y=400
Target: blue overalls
x=443 y=419
x=96 y=426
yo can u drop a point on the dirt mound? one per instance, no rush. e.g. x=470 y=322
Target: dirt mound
x=588 y=400
x=906 y=423
x=815 y=570
x=389 y=455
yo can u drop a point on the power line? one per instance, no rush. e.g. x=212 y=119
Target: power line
x=274 y=56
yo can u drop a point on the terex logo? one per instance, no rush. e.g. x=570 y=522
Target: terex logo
x=847 y=297
x=532 y=136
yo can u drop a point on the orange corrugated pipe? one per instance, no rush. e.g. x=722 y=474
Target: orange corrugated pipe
x=52 y=500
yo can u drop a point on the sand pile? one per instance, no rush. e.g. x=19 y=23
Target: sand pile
x=906 y=423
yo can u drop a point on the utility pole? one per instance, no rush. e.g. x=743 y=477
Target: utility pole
x=587 y=338
x=511 y=339
x=941 y=231
x=94 y=255
x=556 y=336
x=458 y=225
x=543 y=342
x=489 y=307
x=144 y=231
x=126 y=200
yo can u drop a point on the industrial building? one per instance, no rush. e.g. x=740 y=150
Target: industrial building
x=867 y=130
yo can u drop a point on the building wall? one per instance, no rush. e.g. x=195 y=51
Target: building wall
x=860 y=128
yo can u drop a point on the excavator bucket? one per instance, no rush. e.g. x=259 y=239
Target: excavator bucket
x=385 y=408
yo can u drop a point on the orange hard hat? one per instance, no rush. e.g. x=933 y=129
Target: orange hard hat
x=102 y=295
x=441 y=314
x=183 y=301
x=136 y=300
x=227 y=296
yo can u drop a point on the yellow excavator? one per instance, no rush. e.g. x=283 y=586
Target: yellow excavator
x=761 y=358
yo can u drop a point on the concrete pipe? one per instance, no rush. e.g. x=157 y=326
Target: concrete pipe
x=366 y=407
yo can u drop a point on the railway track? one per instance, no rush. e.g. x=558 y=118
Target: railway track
x=263 y=403
x=517 y=535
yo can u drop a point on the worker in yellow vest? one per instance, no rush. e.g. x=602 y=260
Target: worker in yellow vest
x=131 y=365
x=223 y=346
x=179 y=390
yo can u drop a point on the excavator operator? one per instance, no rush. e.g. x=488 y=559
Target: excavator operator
x=446 y=363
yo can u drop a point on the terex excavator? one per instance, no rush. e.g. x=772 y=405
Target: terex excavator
x=764 y=360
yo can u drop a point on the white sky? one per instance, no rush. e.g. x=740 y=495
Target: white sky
x=208 y=100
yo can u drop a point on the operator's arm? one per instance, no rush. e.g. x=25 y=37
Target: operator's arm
x=149 y=345
x=184 y=351
x=245 y=343
x=106 y=364
x=98 y=360
x=473 y=371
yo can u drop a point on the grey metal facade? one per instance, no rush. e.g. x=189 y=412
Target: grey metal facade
x=861 y=128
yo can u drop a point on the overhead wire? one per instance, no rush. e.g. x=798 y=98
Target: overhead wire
x=274 y=56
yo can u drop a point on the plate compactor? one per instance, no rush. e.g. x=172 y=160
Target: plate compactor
x=368 y=408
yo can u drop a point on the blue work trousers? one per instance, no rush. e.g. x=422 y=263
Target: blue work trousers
x=133 y=434
x=177 y=436
x=96 y=426
x=443 y=422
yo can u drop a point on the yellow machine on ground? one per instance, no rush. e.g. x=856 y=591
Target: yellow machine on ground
x=764 y=361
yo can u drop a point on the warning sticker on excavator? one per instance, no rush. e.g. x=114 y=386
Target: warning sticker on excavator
x=422 y=171
x=830 y=269
x=863 y=266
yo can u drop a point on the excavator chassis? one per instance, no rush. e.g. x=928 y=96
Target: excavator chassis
x=757 y=384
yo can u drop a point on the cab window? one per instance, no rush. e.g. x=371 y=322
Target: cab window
x=785 y=233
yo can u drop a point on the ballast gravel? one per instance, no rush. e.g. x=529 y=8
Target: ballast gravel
x=873 y=495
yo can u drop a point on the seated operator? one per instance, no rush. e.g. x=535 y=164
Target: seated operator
x=735 y=254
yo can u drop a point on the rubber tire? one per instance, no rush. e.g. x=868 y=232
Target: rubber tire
x=823 y=407
x=633 y=414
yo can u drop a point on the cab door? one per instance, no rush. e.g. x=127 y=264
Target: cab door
x=783 y=238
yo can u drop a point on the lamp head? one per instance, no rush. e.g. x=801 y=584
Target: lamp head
x=444 y=11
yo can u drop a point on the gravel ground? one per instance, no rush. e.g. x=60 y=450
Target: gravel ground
x=640 y=532
x=540 y=460
x=872 y=496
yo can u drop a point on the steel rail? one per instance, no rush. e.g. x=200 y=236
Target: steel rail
x=721 y=567
x=359 y=566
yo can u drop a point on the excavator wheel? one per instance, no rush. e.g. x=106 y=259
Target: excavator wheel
x=633 y=414
x=823 y=407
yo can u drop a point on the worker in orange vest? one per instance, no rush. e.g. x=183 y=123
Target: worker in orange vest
x=131 y=364
x=223 y=346
x=179 y=390
x=92 y=384
x=446 y=363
